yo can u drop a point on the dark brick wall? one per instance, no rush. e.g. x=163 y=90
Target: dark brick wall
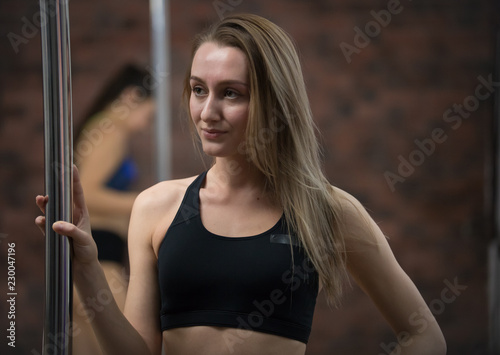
x=378 y=110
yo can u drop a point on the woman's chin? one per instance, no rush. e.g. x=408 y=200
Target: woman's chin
x=214 y=150
x=215 y=153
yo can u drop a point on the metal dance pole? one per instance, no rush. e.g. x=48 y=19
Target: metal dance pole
x=494 y=247
x=58 y=175
x=160 y=42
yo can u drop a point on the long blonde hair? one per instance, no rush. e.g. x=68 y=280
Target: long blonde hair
x=281 y=140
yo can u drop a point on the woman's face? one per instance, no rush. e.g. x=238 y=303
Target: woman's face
x=220 y=97
x=141 y=111
x=134 y=109
x=142 y=115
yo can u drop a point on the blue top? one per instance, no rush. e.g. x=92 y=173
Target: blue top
x=242 y=282
x=124 y=176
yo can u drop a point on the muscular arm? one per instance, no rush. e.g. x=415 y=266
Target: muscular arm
x=372 y=264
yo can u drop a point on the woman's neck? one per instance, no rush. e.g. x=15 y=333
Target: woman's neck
x=237 y=173
x=238 y=181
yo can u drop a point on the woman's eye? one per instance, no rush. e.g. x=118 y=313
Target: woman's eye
x=198 y=91
x=231 y=94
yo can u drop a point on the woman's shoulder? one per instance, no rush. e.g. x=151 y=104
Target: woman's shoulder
x=163 y=194
x=355 y=219
x=155 y=208
x=346 y=201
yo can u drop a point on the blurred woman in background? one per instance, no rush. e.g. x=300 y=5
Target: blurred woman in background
x=107 y=173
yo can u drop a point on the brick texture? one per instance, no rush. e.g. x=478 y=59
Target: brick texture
x=376 y=107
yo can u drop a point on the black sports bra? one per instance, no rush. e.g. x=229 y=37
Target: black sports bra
x=238 y=282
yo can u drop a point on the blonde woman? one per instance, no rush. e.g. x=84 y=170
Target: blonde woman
x=231 y=261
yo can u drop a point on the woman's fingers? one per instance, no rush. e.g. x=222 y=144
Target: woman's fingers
x=41 y=202
x=70 y=230
x=84 y=247
x=40 y=223
x=82 y=240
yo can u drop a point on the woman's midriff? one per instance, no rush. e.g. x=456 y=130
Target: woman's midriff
x=208 y=340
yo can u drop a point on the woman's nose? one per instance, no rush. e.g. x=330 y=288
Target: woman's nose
x=211 y=109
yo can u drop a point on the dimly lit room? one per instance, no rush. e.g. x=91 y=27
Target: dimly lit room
x=334 y=167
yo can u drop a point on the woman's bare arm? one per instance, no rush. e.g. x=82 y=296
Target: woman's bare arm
x=115 y=333
x=372 y=264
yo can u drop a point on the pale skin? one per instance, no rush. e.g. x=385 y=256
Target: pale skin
x=233 y=204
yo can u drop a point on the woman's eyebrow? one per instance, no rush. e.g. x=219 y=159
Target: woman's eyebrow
x=223 y=82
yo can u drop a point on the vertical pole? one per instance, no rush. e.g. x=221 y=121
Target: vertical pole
x=494 y=247
x=160 y=42
x=58 y=174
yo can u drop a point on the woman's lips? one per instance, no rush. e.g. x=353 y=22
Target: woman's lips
x=212 y=133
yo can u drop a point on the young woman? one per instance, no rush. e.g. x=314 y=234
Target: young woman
x=123 y=108
x=231 y=261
